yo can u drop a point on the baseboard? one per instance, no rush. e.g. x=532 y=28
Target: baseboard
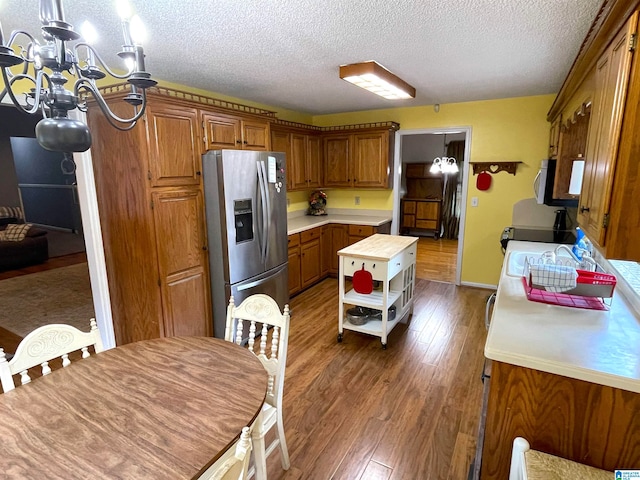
x=479 y=285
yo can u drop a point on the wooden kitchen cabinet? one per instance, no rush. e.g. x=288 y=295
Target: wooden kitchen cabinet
x=421 y=214
x=554 y=137
x=337 y=156
x=304 y=159
x=310 y=256
x=359 y=232
x=326 y=253
x=152 y=220
x=339 y=238
x=608 y=65
x=232 y=132
x=295 y=282
x=150 y=198
x=581 y=421
x=182 y=262
x=361 y=159
x=173 y=143
x=611 y=81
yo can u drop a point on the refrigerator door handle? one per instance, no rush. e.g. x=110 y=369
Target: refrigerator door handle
x=264 y=204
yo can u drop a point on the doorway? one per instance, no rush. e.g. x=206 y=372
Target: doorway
x=432 y=205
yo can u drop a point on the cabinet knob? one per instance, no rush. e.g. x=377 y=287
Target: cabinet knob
x=198 y=173
x=584 y=209
x=238 y=141
x=204 y=247
x=245 y=142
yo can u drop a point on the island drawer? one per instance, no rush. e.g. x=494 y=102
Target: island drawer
x=378 y=269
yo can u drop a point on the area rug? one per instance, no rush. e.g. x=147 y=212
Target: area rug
x=62 y=295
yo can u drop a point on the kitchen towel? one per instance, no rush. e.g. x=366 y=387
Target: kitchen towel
x=554 y=278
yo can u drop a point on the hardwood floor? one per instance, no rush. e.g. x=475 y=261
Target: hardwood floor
x=437 y=259
x=355 y=411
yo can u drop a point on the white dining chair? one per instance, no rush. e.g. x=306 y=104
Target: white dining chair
x=234 y=463
x=242 y=328
x=43 y=345
x=527 y=464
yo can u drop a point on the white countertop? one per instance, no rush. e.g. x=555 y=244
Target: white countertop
x=305 y=222
x=600 y=347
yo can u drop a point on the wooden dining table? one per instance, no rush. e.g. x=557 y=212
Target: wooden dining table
x=157 y=409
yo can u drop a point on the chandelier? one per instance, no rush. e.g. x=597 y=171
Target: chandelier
x=46 y=66
x=444 y=164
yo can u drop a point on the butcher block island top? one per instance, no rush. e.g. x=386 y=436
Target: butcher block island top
x=378 y=247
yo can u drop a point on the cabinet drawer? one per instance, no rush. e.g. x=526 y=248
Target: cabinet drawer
x=409 y=207
x=294 y=240
x=360 y=230
x=377 y=269
x=409 y=255
x=310 y=234
x=430 y=224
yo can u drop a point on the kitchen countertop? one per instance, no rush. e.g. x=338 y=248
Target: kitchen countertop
x=601 y=347
x=305 y=222
x=378 y=247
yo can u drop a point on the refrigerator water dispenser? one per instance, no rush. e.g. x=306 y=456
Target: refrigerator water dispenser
x=243 y=219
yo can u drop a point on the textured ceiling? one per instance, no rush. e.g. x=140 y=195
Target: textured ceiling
x=286 y=53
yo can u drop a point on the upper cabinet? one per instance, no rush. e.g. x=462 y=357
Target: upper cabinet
x=232 y=132
x=361 y=159
x=345 y=156
x=173 y=143
x=304 y=159
x=605 y=77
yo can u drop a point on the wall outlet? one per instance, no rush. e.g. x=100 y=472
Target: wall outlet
x=357 y=200
x=474 y=201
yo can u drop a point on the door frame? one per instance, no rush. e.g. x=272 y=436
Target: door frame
x=92 y=230
x=397 y=169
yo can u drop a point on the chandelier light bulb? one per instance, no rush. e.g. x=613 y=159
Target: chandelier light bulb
x=124 y=9
x=89 y=33
x=138 y=31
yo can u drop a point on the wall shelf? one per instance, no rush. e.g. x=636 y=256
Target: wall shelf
x=495 y=167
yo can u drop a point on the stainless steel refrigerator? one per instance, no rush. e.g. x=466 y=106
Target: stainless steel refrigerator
x=246 y=214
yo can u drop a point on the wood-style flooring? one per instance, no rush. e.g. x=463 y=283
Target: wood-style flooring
x=355 y=411
x=437 y=259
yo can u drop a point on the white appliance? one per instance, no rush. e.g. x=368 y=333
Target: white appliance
x=543 y=186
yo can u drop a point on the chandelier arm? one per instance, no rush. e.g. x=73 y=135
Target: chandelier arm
x=15 y=35
x=8 y=90
x=87 y=85
x=101 y=61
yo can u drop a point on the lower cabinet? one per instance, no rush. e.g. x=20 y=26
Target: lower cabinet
x=313 y=253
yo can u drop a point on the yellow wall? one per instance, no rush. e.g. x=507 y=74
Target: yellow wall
x=512 y=129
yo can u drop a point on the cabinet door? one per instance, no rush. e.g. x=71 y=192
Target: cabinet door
x=611 y=79
x=314 y=162
x=221 y=131
x=325 y=248
x=281 y=142
x=310 y=258
x=408 y=214
x=554 y=137
x=336 y=161
x=370 y=160
x=295 y=283
x=174 y=152
x=255 y=135
x=427 y=215
x=182 y=262
x=339 y=240
x=298 y=161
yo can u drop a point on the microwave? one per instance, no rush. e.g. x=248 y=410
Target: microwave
x=543 y=186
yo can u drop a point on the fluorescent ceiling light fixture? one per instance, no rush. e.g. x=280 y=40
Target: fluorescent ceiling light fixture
x=374 y=77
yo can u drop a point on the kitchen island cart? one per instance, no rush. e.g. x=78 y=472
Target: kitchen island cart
x=391 y=261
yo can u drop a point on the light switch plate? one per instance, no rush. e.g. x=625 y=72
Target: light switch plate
x=474 y=201
x=357 y=200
